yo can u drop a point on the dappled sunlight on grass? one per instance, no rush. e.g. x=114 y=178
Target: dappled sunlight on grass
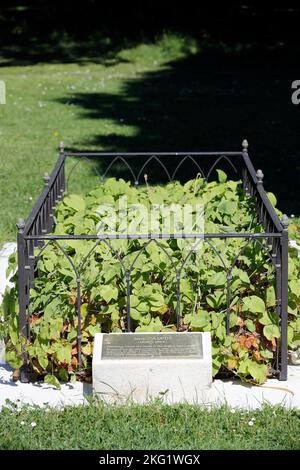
x=166 y=95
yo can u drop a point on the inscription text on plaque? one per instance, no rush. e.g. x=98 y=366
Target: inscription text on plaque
x=152 y=346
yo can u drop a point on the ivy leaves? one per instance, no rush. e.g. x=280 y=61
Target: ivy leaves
x=52 y=380
x=75 y=203
x=205 y=272
x=254 y=304
x=254 y=369
x=106 y=292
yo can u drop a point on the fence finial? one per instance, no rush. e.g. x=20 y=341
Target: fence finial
x=260 y=176
x=46 y=178
x=61 y=147
x=285 y=221
x=245 y=145
x=20 y=225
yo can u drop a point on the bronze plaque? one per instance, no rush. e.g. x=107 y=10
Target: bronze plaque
x=152 y=346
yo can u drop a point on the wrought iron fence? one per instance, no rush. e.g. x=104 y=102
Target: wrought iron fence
x=36 y=232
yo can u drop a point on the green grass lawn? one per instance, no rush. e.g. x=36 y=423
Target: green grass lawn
x=168 y=95
x=47 y=103
x=153 y=426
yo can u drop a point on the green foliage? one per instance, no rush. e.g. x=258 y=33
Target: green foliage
x=52 y=380
x=248 y=351
x=254 y=304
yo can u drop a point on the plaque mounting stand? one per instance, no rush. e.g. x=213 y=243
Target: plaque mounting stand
x=176 y=367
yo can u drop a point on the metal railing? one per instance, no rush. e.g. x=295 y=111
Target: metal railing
x=36 y=232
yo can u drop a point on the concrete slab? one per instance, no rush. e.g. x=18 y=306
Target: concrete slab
x=233 y=392
x=246 y=396
x=39 y=393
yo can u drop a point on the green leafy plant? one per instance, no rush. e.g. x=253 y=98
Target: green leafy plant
x=248 y=351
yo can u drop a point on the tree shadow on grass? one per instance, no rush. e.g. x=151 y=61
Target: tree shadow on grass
x=59 y=48
x=208 y=102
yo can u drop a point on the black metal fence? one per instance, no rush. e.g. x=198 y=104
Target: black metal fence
x=35 y=232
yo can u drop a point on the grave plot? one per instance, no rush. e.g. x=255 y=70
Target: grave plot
x=223 y=269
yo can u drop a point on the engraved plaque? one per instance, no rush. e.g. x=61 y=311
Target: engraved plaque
x=152 y=346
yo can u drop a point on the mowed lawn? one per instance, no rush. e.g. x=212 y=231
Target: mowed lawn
x=74 y=102
x=163 y=96
x=153 y=426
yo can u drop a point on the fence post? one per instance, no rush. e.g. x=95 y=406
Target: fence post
x=23 y=293
x=46 y=221
x=62 y=175
x=244 y=170
x=284 y=299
